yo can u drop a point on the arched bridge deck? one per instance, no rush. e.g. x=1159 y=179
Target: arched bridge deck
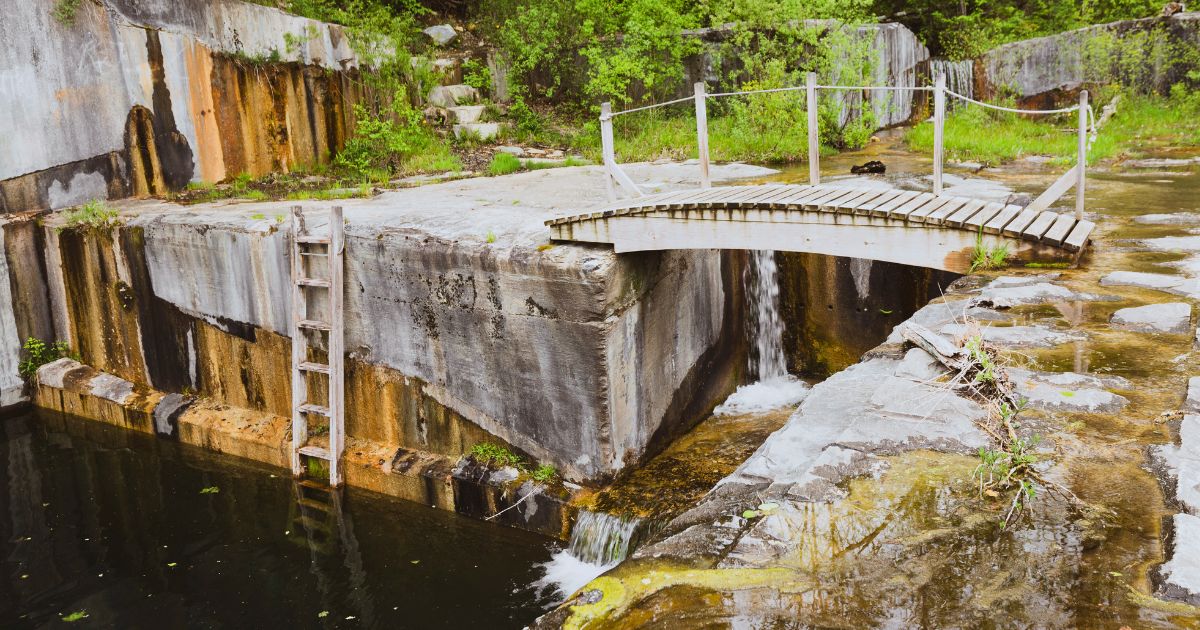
x=907 y=227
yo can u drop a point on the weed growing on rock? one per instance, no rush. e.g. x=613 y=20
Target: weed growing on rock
x=503 y=164
x=984 y=257
x=65 y=11
x=93 y=214
x=39 y=353
x=490 y=454
x=544 y=473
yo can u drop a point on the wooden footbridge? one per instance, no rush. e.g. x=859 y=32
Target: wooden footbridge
x=859 y=220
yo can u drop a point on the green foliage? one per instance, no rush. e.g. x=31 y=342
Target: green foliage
x=477 y=75
x=545 y=473
x=210 y=490
x=491 y=237
x=38 y=353
x=503 y=164
x=384 y=143
x=985 y=257
x=93 y=214
x=78 y=615
x=489 y=454
x=65 y=11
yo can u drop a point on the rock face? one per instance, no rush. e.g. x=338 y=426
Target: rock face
x=441 y=34
x=141 y=97
x=1098 y=54
x=1172 y=317
x=448 y=96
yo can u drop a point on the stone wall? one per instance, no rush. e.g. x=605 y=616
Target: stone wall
x=1149 y=54
x=137 y=98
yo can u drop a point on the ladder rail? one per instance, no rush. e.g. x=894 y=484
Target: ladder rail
x=299 y=313
x=337 y=397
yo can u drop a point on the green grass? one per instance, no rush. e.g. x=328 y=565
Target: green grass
x=1141 y=123
x=93 y=214
x=490 y=454
x=985 y=257
x=503 y=164
x=544 y=473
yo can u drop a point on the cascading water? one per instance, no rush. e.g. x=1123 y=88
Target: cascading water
x=598 y=542
x=960 y=76
x=774 y=387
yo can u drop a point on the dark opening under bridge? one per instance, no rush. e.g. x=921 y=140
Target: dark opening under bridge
x=927 y=229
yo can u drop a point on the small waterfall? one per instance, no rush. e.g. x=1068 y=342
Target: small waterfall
x=960 y=76
x=766 y=327
x=598 y=542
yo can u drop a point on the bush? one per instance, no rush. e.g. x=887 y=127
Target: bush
x=39 y=353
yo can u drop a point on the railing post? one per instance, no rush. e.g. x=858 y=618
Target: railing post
x=814 y=146
x=939 y=129
x=1081 y=158
x=606 y=147
x=702 y=134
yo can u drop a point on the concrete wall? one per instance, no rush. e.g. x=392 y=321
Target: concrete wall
x=1150 y=54
x=140 y=97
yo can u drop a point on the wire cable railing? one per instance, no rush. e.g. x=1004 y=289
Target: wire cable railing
x=1087 y=132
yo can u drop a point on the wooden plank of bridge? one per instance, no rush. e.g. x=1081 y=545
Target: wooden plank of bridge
x=938 y=217
x=1039 y=226
x=1078 y=236
x=719 y=199
x=883 y=209
x=944 y=207
x=1059 y=229
x=802 y=200
x=902 y=213
x=966 y=212
x=832 y=204
x=1020 y=222
x=848 y=205
x=819 y=200
x=866 y=208
x=763 y=193
x=976 y=221
x=781 y=199
x=857 y=206
x=1056 y=190
x=1002 y=218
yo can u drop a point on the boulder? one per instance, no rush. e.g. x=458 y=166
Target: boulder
x=480 y=131
x=1171 y=317
x=466 y=114
x=441 y=34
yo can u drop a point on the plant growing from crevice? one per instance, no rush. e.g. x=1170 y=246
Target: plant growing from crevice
x=38 y=353
x=544 y=473
x=65 y=11
x=93 y=214
x=985 y=257
x=489 y=454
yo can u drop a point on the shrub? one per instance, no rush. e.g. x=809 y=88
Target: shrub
x=39 y=353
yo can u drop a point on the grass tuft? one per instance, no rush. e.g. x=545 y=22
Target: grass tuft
x=503 y=164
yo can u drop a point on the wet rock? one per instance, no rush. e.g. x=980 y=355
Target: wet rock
x=447 y=96
x=1192 y=402
x=1068 y=391
x=1171 y=317
x=934 y=316
x=1004 y=282
x=872 y=167
x=1190 y=266
x=166 y=414
x=441 y=34
x=1173 y=243
x=1026 y=294
x=1180 y=576
x=1168 y=283
x=1016 y=336
x=1176 y=218
x=1159 y=162
x=919 y=365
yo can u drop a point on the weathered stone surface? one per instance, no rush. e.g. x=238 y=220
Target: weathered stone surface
x=1177 y=285
x=938 y=314
x=448 y=96
x=1067 y=391
x=1180 y=576
x=1192 y=402
x=1016 y=336
x=1188 y=244
x=466 y=114
x=480 y=131
x=1003 y=296
x=1171 y=317
x=513 y=151
x=441 y=34
x=11 y=384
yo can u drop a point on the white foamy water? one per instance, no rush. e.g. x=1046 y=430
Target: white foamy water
x=599 y=542
x=773 y=393
x=766 y=327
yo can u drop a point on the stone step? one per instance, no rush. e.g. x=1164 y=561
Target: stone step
x=448 y=96
x=482 y=131
x=466 y=114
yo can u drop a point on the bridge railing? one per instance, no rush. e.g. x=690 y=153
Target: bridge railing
x=617 y=178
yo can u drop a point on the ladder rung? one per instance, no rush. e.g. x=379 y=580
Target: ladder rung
x=313 y=324
x=313 y=504
x=320 y=452
x=313 y=240
x=322 y=254
x=311 y=408
x=313 y=485
x=309 y=366
x=312 y=282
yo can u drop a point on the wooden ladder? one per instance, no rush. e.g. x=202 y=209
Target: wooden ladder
x=309 y=251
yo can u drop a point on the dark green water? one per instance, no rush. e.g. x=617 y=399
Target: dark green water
x=113 y=523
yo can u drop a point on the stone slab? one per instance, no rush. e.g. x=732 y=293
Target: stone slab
x=1177 y=285
x=1170 y=317
x=1180 y=576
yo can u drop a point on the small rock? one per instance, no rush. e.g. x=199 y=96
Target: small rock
x=441 y=34
x=513 y=151
x=1171 y=317
x=874 y=166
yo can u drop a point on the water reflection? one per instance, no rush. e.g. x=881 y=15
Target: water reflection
x=117 y=525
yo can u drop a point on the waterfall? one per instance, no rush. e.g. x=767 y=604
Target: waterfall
x=599 y=542
x=960 y=76
x=766 y=327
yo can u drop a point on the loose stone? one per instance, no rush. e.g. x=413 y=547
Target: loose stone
x=1171 y=317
